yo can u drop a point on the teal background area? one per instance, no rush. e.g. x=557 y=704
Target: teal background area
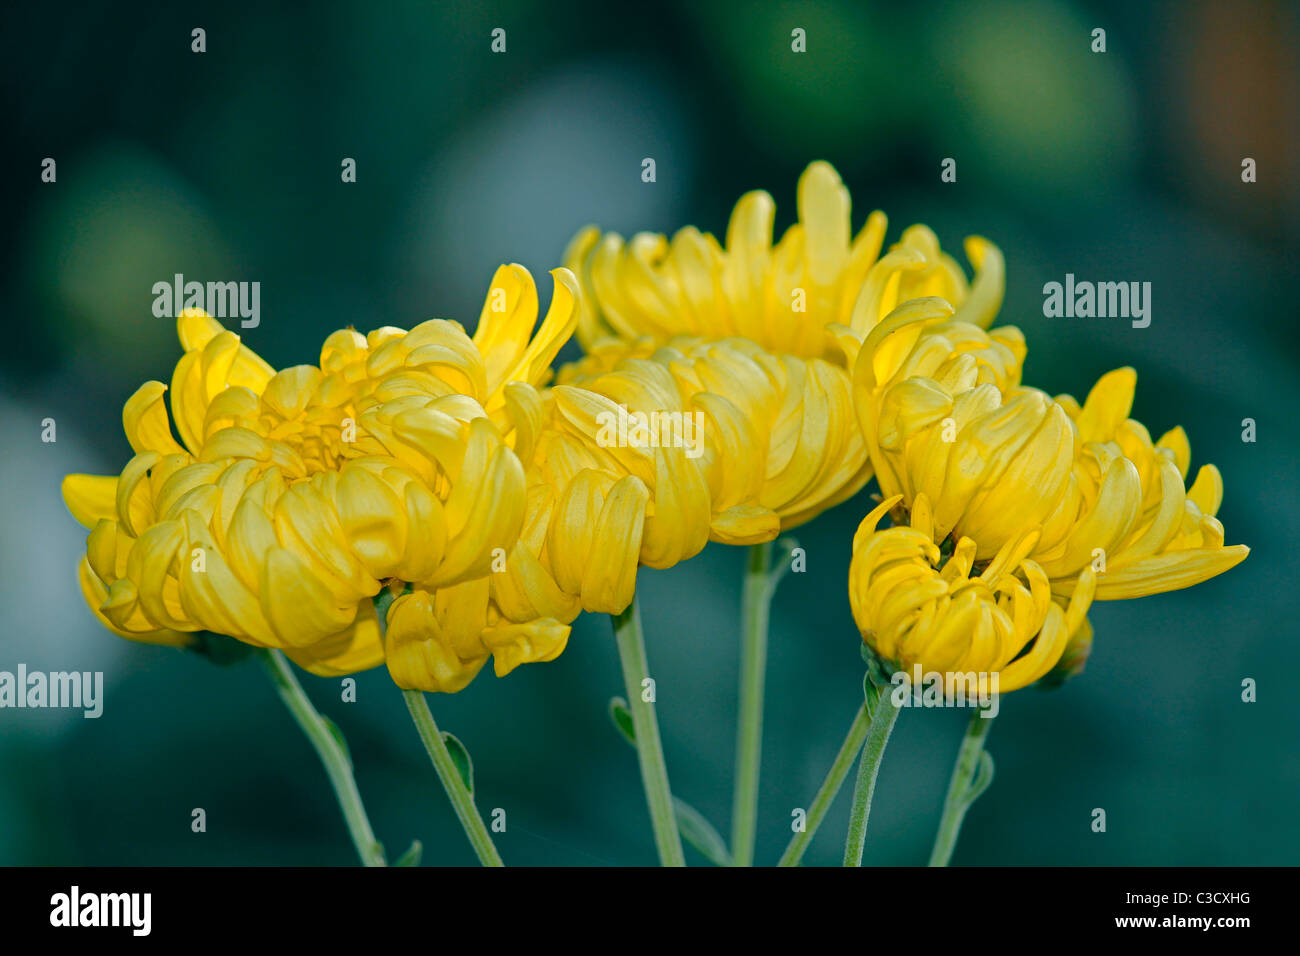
x=1116 y=166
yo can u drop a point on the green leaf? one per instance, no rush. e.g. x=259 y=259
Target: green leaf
x=460 y=756
x=412 y=855
x=622 y=718
x=695 y=830
x=983 y=777
x=699 y=833
x=337 y=734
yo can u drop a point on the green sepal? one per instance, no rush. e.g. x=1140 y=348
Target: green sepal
x=219 y=649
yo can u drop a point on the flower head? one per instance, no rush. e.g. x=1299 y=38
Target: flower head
x=624 y=469
x=781 y=441
x=296 y=494
x=784 y=297
x=944 y=416
x=733 y=443
x=914 y=605
x=768 y=330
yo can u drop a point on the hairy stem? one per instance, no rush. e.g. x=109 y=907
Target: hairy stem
x=329 y=747
x=830 y=788
x=649 y=748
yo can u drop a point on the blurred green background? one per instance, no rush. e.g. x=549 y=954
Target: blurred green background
x=1116 y=166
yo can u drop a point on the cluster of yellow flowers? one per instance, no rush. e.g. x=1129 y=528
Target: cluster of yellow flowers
x=451 y=471
x=1076 y=500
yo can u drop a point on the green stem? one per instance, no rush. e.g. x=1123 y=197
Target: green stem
x=649 y=748
x=337 y=763
x=961 y=792
x=461 y=799
x=756 y=602
x=883 y=715
x=830 y=788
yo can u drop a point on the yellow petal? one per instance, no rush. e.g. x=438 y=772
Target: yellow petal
x=609 y=580
x=144 y=417
x=536 y=641
x=135 y=508
x=358 y=648
x=1108 y=404
x=96 y=594
x=90 y=498
x=1207 y=491
x=419 y=655
x=745 y=524
x=300 y=607
x=984 y=300
x=373 y=518
x=1171 y=571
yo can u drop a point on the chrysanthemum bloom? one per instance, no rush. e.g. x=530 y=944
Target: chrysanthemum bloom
x=733 y=444
x=296 y=495
x=782 y=441
x=915 y=608
x=782 y=297
x=996 y=458
x=597 y=510
x=768 y=328
x=601 y=502
x=625 y=469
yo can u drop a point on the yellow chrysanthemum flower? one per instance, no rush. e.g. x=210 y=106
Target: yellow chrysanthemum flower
x=297 y=494
x=782 y=445
x=913 y=607
x=756 y=442
x=996 y=458
x=771 y=330
x=782 y=297
x=604 y=499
